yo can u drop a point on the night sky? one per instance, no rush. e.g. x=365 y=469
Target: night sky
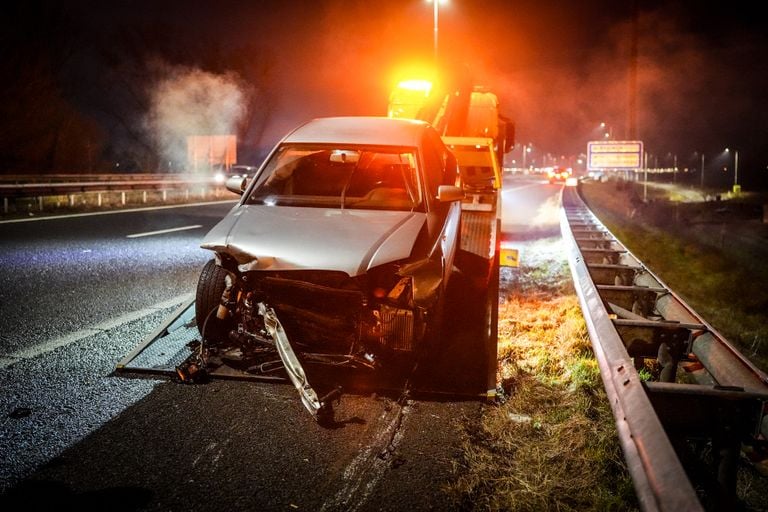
x=93 y=83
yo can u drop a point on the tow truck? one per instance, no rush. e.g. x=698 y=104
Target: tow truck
x=469 y=120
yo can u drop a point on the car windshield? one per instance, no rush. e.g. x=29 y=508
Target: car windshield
x=368 y=178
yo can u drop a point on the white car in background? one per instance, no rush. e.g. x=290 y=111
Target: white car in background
x=339 y=252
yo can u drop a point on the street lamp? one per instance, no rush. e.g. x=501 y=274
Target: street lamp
x=436 y=4
x=607 y=130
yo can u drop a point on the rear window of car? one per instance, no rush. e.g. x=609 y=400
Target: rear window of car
x=356 y=177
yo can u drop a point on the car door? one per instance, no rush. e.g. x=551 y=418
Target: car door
x=443 y=218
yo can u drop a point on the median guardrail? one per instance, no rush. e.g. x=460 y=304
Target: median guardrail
x=674 y=383
x=21 y=193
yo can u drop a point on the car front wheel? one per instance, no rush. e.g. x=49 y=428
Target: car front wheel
x=210 y=287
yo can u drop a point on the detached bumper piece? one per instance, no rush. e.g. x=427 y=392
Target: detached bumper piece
x=320 y=408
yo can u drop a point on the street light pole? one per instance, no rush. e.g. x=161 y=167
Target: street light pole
x=645 y=179
x=674 y=170
x=436 y=10
x=735 y=169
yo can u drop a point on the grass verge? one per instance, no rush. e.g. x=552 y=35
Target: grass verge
x=551 y=444
x=719 y=271
x=725 y=283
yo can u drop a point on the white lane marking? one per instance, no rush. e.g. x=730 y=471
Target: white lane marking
x=50 y=345
x=110 y=212
x=173 y=301
x=163 y=231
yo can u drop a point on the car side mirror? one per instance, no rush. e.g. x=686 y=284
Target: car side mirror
x=237 y=184
x=448 y=193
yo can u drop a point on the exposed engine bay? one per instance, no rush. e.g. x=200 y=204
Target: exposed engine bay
x=272 y=321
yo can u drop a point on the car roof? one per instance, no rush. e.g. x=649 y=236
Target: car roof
x=360 y=130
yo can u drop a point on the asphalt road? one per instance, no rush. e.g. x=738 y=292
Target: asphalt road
x=77 y=294
x=59 y=275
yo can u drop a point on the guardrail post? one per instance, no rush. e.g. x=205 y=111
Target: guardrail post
x=122 y=198
x=5 y=205
x=165 y=195
x=186 y=194
x=144 y=196
x=98 y=198
x=71 y=200
x=40 y=203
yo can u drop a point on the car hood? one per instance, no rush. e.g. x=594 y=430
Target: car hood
x=289 y=238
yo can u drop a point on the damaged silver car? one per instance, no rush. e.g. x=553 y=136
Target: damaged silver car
x=338 y=254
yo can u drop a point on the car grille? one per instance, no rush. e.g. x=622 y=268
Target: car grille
x=318 y=317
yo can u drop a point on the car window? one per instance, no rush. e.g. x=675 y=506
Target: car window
x=349 y=176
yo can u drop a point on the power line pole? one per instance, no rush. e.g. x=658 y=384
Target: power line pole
x=632 y=100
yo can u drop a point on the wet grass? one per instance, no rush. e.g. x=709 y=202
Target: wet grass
x=725 y=283
x=723 y=280
x=551 y=443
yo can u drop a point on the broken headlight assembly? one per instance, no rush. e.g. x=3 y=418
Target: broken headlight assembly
x=304 y=317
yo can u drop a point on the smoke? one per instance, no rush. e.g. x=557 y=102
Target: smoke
x=336 y=62
x=188 y=101
x=558 y=68
x=691 y=91
x=548 y=214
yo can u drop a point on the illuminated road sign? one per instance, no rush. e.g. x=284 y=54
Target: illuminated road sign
x=615 y=154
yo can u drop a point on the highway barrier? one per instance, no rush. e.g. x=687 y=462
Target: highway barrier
x=39 y=193
x=676 y=386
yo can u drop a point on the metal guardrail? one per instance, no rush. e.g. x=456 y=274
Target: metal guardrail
x=68 y=177
x=29 y=186
x=28 y=193
x=702 y=389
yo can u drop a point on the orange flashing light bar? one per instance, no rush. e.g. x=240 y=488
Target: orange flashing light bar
x=416 y=85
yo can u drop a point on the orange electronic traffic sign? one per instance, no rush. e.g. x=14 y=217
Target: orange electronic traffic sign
x=614 y=154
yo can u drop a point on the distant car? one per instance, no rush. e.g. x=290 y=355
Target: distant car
x=222 y=174
x=558 y=174
x=339 y=252
x=242 y=170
